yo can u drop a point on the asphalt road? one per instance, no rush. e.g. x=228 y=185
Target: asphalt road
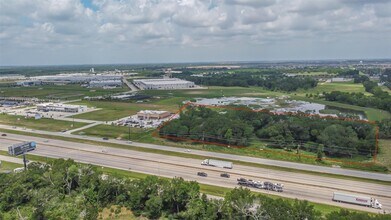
x=206 y=154
x=302 y=186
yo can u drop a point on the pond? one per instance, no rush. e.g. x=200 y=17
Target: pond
x=280 y=105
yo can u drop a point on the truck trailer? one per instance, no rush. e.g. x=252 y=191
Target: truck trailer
x=217 y=163
x=357 y=199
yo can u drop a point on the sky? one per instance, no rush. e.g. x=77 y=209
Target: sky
x=58 y=32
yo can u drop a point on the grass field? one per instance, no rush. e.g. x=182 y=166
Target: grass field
x=115 y=132
x=336 y=86
x=45 y=124
x=64 y=92
x=384 y=156
x=8 y=166
x=204 y=188
x=116 y=110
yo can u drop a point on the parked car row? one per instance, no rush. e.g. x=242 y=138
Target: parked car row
x=261 y=185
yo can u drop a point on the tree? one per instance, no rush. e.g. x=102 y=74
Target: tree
x=238 y=203
x=153 y=207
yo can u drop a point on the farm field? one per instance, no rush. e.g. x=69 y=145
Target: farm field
x=64 y=92
x=45 y=124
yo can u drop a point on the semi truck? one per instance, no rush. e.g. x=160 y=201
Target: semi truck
x=217 y=163
x=357 y=199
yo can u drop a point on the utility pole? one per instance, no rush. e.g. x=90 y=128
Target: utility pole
x=203 y=139
x=129 y=133
x=24 y=161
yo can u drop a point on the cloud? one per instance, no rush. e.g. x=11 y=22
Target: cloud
x=119 y=27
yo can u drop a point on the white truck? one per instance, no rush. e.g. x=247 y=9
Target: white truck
x=358 y=200
x=217 y=163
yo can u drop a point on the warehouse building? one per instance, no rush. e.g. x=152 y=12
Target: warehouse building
x=104 y=83
x=58 y=107
x=163 y=84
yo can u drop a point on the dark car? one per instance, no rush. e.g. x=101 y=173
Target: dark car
x=226 y=175
x=3 y=135
x=202 y=174
x=268 y=185
x=105 y=138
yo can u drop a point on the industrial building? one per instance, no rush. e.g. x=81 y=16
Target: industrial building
x=163 y=84
x=105 y=83
x=152 y=115
x=77 y=78
x=58 y=107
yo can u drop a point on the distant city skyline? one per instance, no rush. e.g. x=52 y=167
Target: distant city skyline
x=62 y=32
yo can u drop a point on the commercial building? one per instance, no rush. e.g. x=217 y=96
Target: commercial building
x=152 y=115
x=163 y=84
x=58 y=107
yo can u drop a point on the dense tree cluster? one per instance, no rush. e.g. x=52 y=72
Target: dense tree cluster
x=331 y=136
x=67 y=190
x=348 y=73
x=276 y=81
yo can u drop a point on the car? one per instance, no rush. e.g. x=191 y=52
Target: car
x=64 y=131
x=105 y=138
x=3 y=135
x=187 y=150
x=202 y=174
x=46 y=141
x=226 y=175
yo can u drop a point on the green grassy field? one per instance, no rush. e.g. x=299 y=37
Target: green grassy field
x=8 y=166
x=336 y=86
x=64 y=92
x=45 y=124
x=384 y=156
x=115 y=132
x=116 y=110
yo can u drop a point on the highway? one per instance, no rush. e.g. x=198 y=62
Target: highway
x=278 y=163
x=296 y=185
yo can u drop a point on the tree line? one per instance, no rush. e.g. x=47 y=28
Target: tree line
x=275 y=81
x=64 y=189
x=333 y=137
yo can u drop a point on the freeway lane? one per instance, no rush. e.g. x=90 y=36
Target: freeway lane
x=306 y=179
x=206 y=154
x=302 y=186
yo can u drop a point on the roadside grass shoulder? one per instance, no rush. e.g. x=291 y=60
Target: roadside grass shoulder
x=8 y=166
x=384 y=156
x=45 y=124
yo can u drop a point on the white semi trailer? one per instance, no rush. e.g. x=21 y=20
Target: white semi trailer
x=358 y=200
x=217 y=163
